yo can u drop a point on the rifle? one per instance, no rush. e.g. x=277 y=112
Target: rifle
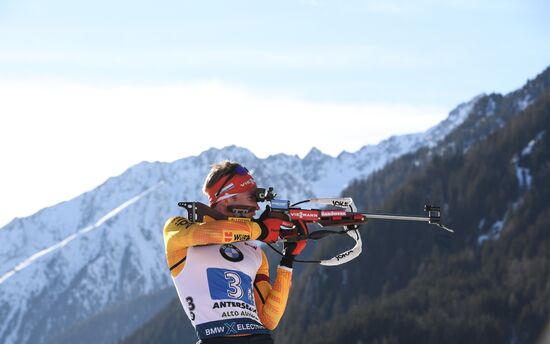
x=343 y=213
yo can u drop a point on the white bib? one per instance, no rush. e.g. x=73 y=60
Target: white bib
x=216 y=289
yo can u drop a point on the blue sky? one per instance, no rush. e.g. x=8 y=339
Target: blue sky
x=75 y=76
x=421 y=52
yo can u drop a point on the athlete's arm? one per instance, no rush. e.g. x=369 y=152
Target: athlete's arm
x=271 y=301
x=180 y=233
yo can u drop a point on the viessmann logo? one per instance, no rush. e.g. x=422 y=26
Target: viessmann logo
x=304 y=214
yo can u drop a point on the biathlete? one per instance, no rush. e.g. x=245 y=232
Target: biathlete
x=220 y=272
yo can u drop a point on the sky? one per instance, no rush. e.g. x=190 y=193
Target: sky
x=88 y=89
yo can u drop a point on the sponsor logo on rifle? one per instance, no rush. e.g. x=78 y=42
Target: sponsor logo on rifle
x=340 y=203
x=343 y=255
x=304 y=214
x=333 y=213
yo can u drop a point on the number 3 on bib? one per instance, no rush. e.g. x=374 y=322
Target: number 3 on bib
x=235 y=291
x=230 y=285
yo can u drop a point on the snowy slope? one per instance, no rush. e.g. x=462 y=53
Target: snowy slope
x=98 y=258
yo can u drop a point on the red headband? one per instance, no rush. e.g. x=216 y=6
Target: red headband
x=236 y=185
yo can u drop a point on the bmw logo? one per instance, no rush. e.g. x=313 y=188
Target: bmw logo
x=231 y=253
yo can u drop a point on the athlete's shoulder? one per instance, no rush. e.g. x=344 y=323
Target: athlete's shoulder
x=177 y=222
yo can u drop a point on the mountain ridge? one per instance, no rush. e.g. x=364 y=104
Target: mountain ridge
x=103 y=249
x=165 y=328
x=418 y=285
x=78 y=239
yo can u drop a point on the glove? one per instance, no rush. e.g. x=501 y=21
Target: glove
x=292 y=249
x=271 y=224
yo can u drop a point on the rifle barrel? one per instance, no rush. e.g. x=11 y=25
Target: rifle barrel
x=396 y=217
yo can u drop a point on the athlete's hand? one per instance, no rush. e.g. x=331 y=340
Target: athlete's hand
x=271 y=224
x=296 y=247
x=292 y=249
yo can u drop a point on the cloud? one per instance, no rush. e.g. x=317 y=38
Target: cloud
x=61 y=112
x=60 y=139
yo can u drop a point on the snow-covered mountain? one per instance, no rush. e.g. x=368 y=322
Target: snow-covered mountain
x=93 y=267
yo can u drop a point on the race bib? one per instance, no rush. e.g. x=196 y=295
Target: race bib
x=230 y=285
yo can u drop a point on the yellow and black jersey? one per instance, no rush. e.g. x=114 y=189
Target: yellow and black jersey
x=222 y=277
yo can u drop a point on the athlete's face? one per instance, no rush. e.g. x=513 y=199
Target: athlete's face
x=245 y=200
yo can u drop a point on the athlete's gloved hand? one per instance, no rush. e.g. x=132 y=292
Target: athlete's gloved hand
x=271 y=224
x=292 y=249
